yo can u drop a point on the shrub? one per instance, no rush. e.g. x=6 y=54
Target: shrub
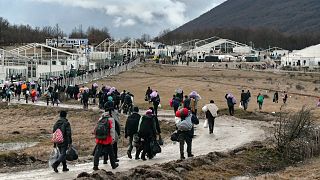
x=299 y=87
x=296 y=135
x=316 y=89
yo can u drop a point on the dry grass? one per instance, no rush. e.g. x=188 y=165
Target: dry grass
x=214 y=84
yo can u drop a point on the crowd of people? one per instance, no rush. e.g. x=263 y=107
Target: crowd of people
x=142 y=129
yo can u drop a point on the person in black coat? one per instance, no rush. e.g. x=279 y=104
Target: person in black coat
x=64 y=125
x=147 y=132
x=131 y=128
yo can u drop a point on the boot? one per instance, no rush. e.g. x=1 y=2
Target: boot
x=55 y=167
x=65 y=168
x=115 y=166
x=129 y=154
x=190 y=155
x=95 y=168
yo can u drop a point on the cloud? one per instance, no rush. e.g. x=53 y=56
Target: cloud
x=129 y=12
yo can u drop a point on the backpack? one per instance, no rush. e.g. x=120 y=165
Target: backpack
x=185 y=125
x=175 y=102
x=57 y=136
x=33 y=93
x=102 y=129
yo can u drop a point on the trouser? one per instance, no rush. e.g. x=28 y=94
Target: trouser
x=231 y=110
x=26 y=97
x=211 y=124
x=195 y=112
x=155 y=107
x=185 y=137
x=130 y=144
x=146 y=148
x=48 y=99
x=8 y=98
x=115 y=149
x=130 y=148
x=107 y=150
x=85 y=104
x=18 y=95
x=175 y=109
x=62 y=157
x=244 y=104
x=260 y=105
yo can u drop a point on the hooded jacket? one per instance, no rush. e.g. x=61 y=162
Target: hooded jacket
x=65 y=127
x=111 y=137
x=132 y=124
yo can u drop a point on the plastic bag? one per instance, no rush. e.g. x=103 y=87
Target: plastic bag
x=174 y=136
x=204 y=109
x=205 y=124
x=240 y=106
x=53 y=156
x=72 y=154
x=155 y=147
x=159 y=106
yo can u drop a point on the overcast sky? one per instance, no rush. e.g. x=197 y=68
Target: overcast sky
x=123 y=18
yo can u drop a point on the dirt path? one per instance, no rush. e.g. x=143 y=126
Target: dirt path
x=229 y=133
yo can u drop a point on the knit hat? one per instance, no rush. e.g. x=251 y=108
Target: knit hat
x=149 y=112
x=182 y=112
x=63 y=114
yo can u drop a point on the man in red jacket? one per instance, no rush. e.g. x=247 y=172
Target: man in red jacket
x=104 y=146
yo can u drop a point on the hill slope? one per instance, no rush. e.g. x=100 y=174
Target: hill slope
x=289 y=16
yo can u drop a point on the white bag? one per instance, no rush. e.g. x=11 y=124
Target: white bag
x=205 y=124
x=240 y=106
x=159 y=106
x=204 y=109
x=53 y=156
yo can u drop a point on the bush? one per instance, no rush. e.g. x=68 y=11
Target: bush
x=296 y=135
x=316 y=89
x=299 y=87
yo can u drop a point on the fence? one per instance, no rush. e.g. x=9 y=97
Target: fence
x=89 y=77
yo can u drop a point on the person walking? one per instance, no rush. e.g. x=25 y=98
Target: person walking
x=64 y=125
x=186 y=130
x=260 y=99
x=147 y=95
x=131 y=129
x=186 y=102
x=146 y=131
x=175 y=103
x=156 y=102
x=285 y=97
x=105 y=136
x=244 y=99
x=85 y=99
x=276 y=97
x=211 y=111
x=231 y=101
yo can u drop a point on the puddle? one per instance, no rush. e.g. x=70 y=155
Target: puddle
x=16 y=146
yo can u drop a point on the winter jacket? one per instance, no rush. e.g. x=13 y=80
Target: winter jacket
x=146 y=126
x=186 y=103
x=132 y=124
x=65 y=127
x=156 y=124
x=230 y=101
x=111 y=137
x=176 y=102
x=195 y=121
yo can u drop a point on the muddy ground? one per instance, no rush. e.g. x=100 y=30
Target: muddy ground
x=23 y=124
x=249 y=161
